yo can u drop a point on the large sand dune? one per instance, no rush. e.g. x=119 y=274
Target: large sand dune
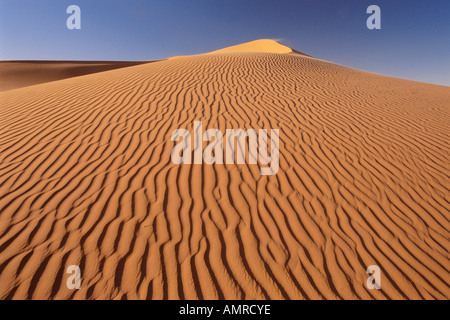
x=86 y=178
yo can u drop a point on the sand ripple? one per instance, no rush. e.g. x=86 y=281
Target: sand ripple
x=86 y=179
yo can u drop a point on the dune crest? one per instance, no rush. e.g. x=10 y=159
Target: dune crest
x=86 y=179
x=262 y=45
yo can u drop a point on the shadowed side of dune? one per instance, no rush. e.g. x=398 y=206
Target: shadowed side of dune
x=18 y=74
x=86 y=178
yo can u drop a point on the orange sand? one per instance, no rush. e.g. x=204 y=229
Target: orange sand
x=18 y=74
x=86 y=179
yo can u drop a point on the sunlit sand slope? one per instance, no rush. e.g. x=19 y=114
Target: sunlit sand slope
x=263 y=45
x=86 y=179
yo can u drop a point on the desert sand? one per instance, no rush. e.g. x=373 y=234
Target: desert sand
x=18 y=74
x=86 y=179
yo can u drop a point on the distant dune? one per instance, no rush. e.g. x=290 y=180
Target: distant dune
x=86 y=179
x=18 y=74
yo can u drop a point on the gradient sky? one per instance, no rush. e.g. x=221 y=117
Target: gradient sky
x=414 y=42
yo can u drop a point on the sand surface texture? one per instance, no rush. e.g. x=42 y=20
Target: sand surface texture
x=86 y=179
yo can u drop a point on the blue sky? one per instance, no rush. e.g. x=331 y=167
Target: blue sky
x=414 y=42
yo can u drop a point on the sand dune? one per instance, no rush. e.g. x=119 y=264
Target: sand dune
x=86 y=178
x=263 y=45
x=19 y=74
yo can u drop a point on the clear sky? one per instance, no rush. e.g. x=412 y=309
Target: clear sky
x=414 y=42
